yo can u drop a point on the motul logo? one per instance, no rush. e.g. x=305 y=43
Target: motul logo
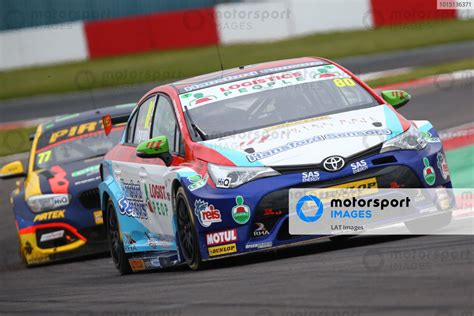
x=222 y=237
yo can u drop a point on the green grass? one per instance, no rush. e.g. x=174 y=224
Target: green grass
x=171 y=65
x=460 y=166
x=425 y=72
x=15 y=141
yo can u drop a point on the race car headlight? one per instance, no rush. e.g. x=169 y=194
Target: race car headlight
x=48 y=202
x=412 y=139
x=231 y=177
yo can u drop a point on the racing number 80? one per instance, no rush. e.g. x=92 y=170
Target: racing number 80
x=346 y=82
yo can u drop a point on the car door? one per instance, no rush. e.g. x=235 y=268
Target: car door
x=148 y=221
x=136 y=220
x=157 y=178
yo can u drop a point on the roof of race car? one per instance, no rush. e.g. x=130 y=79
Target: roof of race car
x=234 y=74
x=69 y=119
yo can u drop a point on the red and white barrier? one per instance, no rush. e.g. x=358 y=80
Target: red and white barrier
x=50 y=44
x=229 y=23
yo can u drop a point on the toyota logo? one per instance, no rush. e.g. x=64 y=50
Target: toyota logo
x=333 y=163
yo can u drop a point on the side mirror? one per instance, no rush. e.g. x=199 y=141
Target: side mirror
x=396 y=98
x=155 y=148
x=12 y=170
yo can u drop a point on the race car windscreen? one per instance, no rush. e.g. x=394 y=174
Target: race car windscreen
x=73 y=143
x=274 y=99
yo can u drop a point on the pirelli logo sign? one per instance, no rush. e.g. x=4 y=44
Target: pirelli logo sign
x=222 y=250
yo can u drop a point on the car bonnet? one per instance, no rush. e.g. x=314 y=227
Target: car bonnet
x=310 y=141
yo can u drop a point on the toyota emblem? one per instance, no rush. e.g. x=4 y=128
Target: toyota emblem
x=333 y=163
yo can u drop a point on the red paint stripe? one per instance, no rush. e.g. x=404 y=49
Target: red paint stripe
x=464 y=138
x=385 y=12
x=33 y=229
x=159 y=31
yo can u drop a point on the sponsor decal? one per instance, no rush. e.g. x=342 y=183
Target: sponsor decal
x=137 y=264
x=200 y=98
x=98 y=218
x=249 y=74
x=271 y=212
x=51 y=236
x=132 y=209
x=87 y=180
x=442 y=165
x=296 y=123
x=222 y=250
x=429 y=137
x=129 y=242
x=428 y=172
x=73 y=131
x=206 y=213
x=248 y=86
x=318 y=138
x=107 y=123
x=223 y=182
x=370 y=183
x=132 y=204
x=359 y=166
x=260 y=231
x=154 y=262
x=197 y=182
x=158 y=192
x=155 y=242
x=152 y=241
x=261 y=245
x=310 y=176
x=86 y=171
x=222 y=237
x=155 y=197
x=49 y=216
x=240 y=212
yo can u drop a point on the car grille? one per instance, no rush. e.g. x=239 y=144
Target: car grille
x=274 y=206
x=90 y=199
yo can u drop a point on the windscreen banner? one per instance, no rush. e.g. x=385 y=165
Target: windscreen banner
x=373 y=211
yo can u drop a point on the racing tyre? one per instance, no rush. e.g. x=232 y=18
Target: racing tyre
x=115 y=243
x=188 y=238
x=430 y=223
x=22 y=253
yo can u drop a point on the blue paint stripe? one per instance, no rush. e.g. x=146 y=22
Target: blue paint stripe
x=393 y=123
x=238 y=158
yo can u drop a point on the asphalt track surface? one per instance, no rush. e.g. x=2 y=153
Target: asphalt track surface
x=390 y=275
x=50 y=105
